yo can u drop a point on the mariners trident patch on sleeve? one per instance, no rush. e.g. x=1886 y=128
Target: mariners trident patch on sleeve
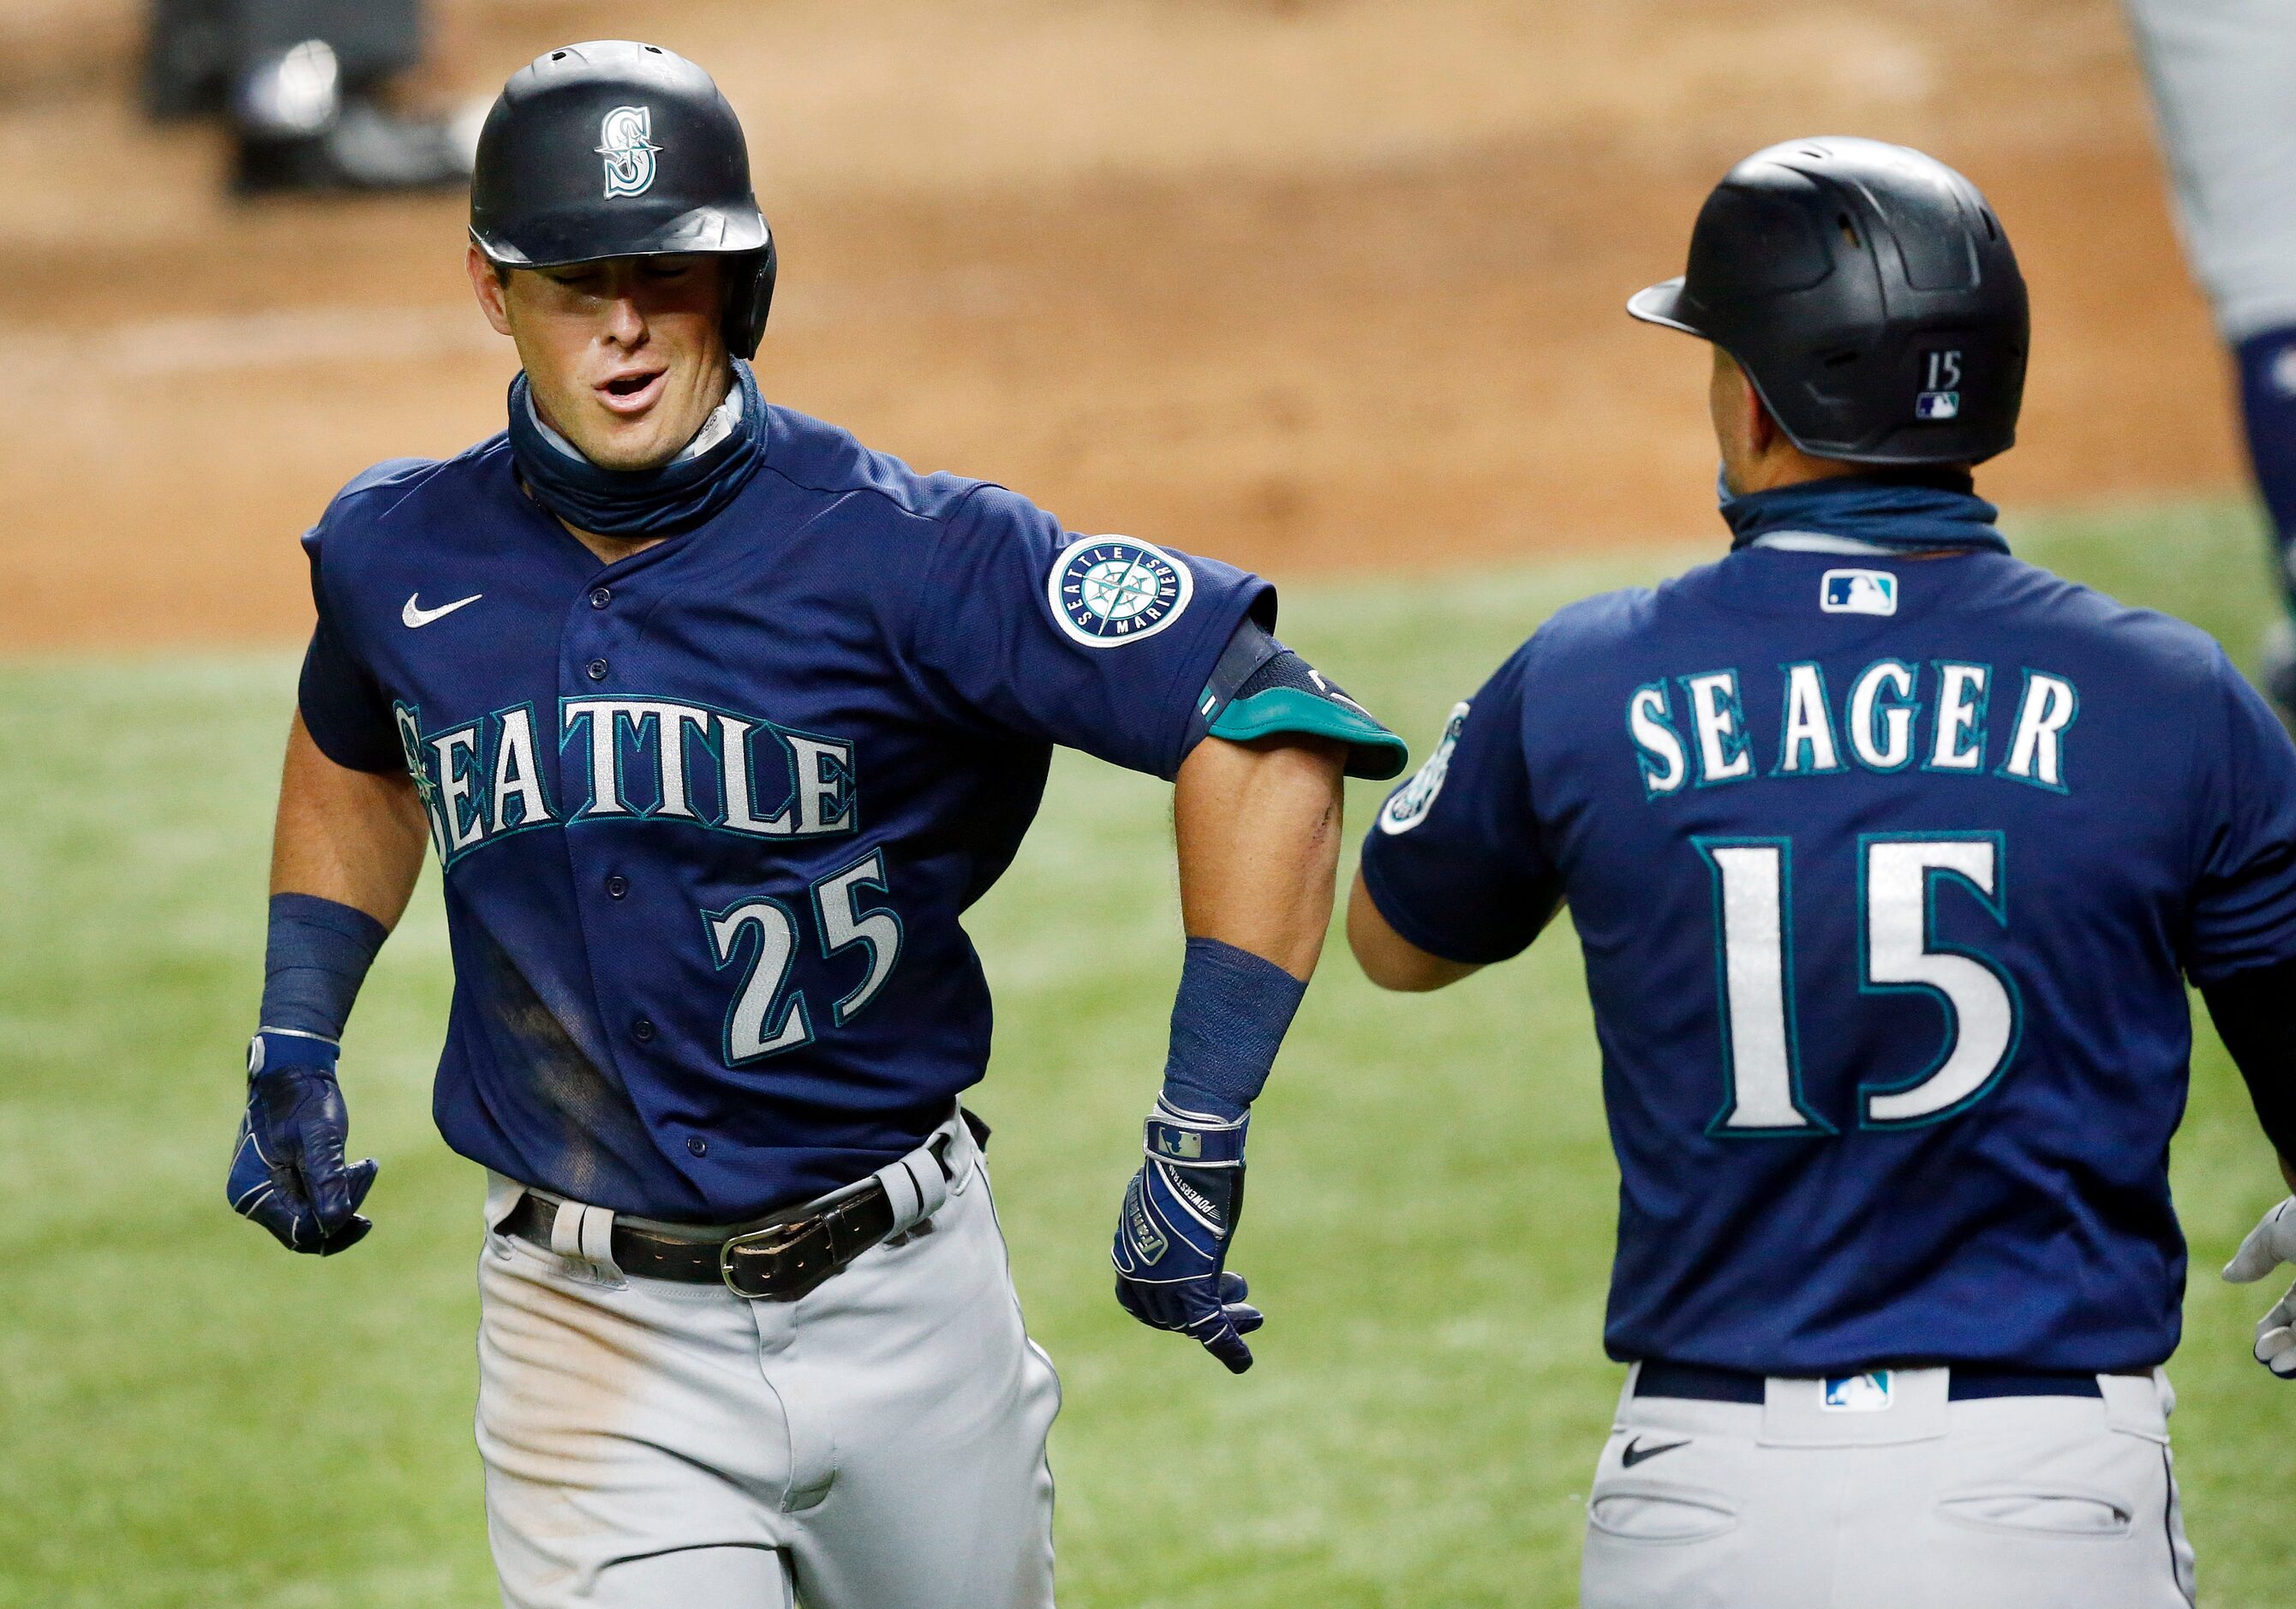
x=1408 y=805
x=1107 y=591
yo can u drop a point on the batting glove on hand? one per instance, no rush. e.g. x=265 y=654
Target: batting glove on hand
x=1172 y=1237
x=2269 y=1244
x=287 y=1170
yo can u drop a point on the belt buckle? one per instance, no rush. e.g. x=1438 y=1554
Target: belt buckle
x=784 y=1247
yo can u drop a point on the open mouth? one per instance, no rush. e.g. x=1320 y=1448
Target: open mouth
x=632 y=393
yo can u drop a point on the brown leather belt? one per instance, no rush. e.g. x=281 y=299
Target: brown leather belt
x=779 y=1257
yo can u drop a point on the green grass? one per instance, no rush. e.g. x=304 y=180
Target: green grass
x=190 y=1416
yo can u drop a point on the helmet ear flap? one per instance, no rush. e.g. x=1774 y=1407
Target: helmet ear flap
x=750 y=299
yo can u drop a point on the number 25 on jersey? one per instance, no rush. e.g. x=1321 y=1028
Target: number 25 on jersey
x=765 y=1017
x=1900 y=880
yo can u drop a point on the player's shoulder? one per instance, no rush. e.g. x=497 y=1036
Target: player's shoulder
x=823 y=462
x=1575 y=646
x=387 y=494
x=1628 y=617
x=372 y=494
x=1593 y=631
x=2150 y=648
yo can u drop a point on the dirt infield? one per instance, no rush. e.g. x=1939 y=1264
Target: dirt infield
x=1303 y=282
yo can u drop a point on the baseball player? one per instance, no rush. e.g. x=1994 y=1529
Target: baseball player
x=716 y=721
x=1890 y=856
x=2223 y=78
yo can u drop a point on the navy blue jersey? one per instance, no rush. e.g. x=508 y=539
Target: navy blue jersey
x=1888 y=874
x=709 y=815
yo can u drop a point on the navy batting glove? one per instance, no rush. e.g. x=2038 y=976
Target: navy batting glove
x=1172 y=1239
x=287 y=1170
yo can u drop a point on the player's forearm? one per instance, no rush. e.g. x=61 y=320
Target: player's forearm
x=2250 y=1011
x=344 y=857
x=349 y=836
x=1258 y=830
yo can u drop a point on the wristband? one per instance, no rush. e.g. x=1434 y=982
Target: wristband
x=1228 y=1022
x=316 y=956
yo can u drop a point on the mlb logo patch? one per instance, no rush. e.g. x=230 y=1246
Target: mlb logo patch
x=1857 y=592
x=1867 y=1393
x=1941 y=397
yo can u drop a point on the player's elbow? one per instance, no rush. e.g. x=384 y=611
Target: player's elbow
x=1387 y=958
x=1397 y=977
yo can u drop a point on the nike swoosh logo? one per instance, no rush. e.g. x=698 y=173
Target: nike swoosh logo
x=1636 y=1453
x=417 y=617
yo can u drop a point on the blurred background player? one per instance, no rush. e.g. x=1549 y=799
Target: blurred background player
x=1887 y=914
x=2223 y=78
x=301 y=84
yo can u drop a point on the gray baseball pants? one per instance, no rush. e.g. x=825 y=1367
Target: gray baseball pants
x=2007 y=1503
x=879 y=1444
x=2223 y=74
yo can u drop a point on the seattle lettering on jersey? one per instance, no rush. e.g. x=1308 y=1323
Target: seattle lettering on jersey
x=1693 y=730
x=632 y=760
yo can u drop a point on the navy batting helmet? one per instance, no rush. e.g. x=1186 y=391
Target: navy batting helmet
x=616 y=149
x=1870 y=295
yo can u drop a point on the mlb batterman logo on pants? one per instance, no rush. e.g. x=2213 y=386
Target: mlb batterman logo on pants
x=714 y=751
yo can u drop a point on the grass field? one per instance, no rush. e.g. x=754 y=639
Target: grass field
x=190 y=1416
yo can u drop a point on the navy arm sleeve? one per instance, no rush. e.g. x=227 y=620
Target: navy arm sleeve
x=2243 y=910
x=1454 y=861
x=342 y=706
x=1104 y=643
x=1259 y=688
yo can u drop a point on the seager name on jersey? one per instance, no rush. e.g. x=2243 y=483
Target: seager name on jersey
x=628 y=759
x=1694 y=730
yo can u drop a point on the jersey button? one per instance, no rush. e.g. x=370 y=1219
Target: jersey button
x=641 y=1030
x=595 y=670
x=616 y=887
x=697 y=1144
x=600 y=596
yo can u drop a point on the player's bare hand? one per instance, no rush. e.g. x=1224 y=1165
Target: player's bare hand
x=287 y=1170
x=2268 y=1245
x=1172 y=1237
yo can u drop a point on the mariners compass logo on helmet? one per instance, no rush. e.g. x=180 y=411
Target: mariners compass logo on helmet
x=626 y=140
x=1110 y=590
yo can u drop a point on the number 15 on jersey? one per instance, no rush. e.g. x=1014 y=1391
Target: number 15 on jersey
x=1900 y=878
